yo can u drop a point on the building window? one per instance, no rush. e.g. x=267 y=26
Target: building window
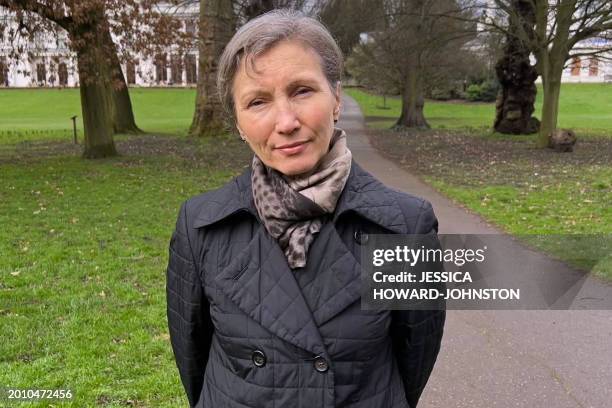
x=191 y=69
x=41 y=73
x=177 y=70
x=190 y=26
x=593 y=66
x=161 y=69
x=62 y=73
x=576 y=65
x=130 y=69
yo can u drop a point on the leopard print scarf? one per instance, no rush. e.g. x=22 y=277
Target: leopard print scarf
x=292 y=207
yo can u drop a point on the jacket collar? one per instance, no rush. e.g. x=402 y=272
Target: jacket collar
x=260 y=283
x=363 y=195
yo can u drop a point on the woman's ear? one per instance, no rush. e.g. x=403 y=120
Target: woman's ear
x=338 y=96
x=241 y=133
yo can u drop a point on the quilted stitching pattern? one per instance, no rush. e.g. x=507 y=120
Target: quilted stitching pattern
x=247 y=298
x=188 y=318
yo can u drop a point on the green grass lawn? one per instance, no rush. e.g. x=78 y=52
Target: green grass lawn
x=585 y=107
x=572 y=222
x=84 y=249
x=36 y=114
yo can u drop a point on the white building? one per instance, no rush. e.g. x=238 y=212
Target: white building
x=589 y=68
x=54 y=65
x=579 y=69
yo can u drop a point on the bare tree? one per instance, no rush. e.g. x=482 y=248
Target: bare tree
x=217 y=25
x=563 y=31
x=348 y=19
x=418 y=39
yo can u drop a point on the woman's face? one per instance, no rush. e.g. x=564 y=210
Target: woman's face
x=286 y=109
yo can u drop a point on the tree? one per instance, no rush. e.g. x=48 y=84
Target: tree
x=217 y=22
x=347 y=19
x=123 y=113
x=417 y=40
x=515 y=104
x=563 y=30
x=249 y=9
x=105 y=103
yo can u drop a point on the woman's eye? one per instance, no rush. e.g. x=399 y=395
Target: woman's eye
x=302 y=91
x=256 y=102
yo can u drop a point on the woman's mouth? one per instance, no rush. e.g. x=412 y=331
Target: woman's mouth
x=292 y=148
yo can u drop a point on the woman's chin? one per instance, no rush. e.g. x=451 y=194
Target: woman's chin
x=296 y=166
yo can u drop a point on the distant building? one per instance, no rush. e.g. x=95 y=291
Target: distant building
x=590 y=68
x=54 y=65
x=582 y=69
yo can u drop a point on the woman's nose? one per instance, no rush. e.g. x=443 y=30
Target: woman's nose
x=286 y=119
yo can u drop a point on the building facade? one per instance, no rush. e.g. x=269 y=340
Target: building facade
x=52 y=64
x=590 y=68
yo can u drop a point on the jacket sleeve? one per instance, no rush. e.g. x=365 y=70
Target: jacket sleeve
x=417 y=334
x=188 y=311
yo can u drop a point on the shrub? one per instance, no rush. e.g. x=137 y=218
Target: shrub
x=441 y=94
x=489 y=90
x=485 y=92
x=473 y=93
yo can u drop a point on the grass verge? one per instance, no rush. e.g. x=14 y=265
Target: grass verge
x=583 y=107
x=82 y=276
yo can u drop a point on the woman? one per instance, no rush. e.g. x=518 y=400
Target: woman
x=263 y=281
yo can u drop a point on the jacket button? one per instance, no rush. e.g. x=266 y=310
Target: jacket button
x=259 y=358
x=360 y=237
x=320 y=364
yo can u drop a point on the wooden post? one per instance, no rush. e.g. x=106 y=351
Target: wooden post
x=74 y=127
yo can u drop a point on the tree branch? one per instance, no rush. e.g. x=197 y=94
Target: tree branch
x=45 y=11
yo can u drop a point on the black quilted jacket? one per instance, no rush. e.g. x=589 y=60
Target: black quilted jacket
x=247 y=331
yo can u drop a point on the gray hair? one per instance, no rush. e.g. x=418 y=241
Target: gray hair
x=264 y=32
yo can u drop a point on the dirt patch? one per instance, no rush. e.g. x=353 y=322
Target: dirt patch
x=473 y=160
x=224 y=152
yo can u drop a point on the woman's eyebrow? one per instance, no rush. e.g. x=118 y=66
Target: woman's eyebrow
x=251 y=93
x=302 y=81
x=257 y=90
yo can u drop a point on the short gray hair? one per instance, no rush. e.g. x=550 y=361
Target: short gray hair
x=264 y=32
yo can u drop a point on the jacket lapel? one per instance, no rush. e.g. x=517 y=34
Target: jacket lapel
x=331 y=281
x=260 y=282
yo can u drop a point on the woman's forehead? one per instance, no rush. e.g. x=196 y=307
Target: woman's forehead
x=284 y=59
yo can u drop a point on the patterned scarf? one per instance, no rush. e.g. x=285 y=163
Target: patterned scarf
x=292 y=207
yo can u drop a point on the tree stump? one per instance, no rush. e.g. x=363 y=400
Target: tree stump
x=562 y=140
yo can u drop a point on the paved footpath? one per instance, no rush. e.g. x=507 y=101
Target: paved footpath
x=536 y=358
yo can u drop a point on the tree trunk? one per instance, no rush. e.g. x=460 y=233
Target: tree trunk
x=515 y=103
x=123 y=113
x=96 y=95
x=216 y=29
x=413 y=103
x=550 y=107
x=256 y=8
